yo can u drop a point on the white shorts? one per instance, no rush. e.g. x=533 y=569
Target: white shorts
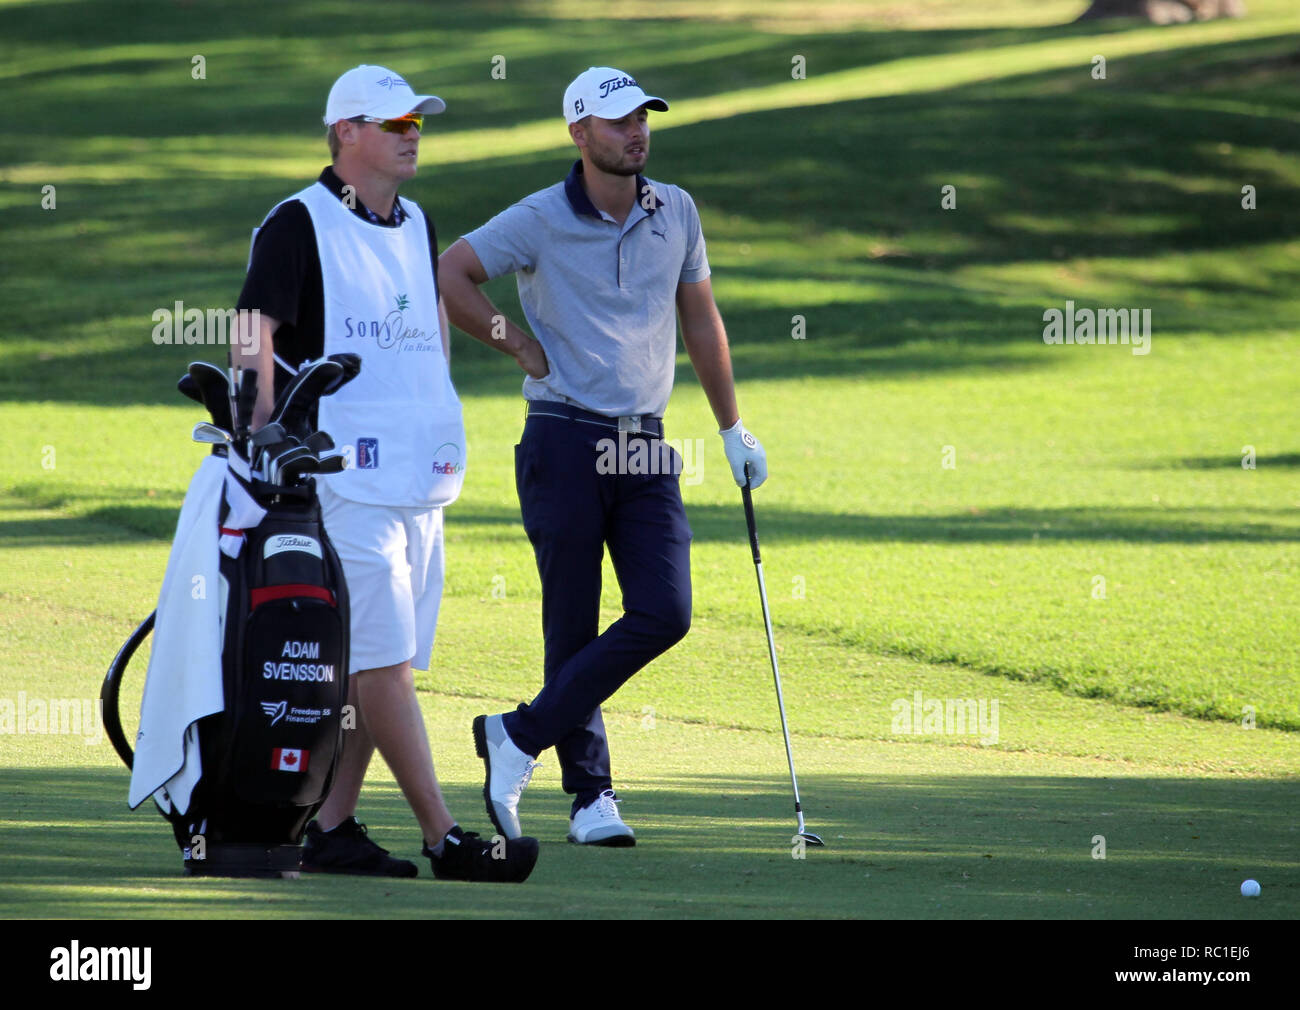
x=393 y=562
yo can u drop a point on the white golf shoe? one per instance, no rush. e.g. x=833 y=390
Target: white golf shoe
x=509 y=770
x=598 y=823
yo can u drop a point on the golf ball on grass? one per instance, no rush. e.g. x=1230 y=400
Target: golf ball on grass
x=1250 y=888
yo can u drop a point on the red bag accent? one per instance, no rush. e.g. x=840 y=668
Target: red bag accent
x=268 y=593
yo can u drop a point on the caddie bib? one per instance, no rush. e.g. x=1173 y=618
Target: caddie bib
x=399 y=421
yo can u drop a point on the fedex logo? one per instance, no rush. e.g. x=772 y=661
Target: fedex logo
x=450 y=461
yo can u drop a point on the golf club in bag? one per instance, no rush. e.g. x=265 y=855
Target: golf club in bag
x=801 y=832
x=267 y=749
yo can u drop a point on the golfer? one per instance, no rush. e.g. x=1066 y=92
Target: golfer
x=605 y=260
x=344 y=265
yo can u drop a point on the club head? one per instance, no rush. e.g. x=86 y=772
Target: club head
x=334 y=463
x=294 y=471
x=188 y=387
x=302 y=394
x=214 y=389
x=265 y=455
x=268 y=434
x=282 y=461
x=208 y=433
x=812 y=839
x=319 y=441
x=351 y=364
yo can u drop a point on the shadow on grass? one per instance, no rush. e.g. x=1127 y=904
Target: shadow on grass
x=1048 y=167
x=1225 y=462
x=719 y=845
x=100 y=528
x=121 y=523
x=994 y=525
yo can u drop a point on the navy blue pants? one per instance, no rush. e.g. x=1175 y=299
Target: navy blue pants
x=571 y=510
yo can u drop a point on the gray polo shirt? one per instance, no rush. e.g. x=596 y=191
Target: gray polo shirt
x=600 y=297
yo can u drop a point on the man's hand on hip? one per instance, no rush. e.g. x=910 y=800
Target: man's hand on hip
x=532 y=359
x=741 y=447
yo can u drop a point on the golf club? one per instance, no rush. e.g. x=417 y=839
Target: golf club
x=296 y=469
x=335 y=463
x=803 y=833
x=188 y=387
x=214 y=391
x=319 y=442
x=244 y=403
x=209 y=434
x=278 y=463
x=265 y=436
x=302 y=394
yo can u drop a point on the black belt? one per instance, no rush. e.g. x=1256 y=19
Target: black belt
x=633 y=424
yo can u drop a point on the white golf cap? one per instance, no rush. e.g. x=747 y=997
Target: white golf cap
x=607 y=93
x=376 y=92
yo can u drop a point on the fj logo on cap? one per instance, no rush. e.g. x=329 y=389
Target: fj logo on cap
x=391 y=82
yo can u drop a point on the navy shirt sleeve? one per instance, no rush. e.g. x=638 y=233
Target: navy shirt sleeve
x=284 y=282
x=433 y=251
x=277 y=272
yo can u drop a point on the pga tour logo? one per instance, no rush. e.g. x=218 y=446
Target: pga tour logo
x=367 y=454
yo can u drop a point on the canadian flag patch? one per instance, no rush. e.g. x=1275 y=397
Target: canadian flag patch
x=287 y=759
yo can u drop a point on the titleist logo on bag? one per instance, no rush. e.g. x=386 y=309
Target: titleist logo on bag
x=290 y=542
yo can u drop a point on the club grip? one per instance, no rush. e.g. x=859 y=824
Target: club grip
x=749 y=517
x=247 y=398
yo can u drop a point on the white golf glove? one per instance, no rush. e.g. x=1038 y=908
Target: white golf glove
x=741 y=447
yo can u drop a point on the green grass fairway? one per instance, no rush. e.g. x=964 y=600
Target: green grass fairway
x=1064 y=535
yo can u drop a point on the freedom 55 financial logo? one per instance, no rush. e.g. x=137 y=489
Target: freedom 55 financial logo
x=391 y=333
x=448 y=458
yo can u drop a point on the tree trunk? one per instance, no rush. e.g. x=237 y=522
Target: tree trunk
x=1165 y=12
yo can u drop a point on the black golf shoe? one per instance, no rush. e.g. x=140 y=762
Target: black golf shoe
x=348 y=849
x=466 y=856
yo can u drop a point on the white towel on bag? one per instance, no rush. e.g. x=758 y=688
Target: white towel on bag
x=184 y=681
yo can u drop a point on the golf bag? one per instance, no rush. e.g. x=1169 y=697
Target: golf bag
x=269 y=756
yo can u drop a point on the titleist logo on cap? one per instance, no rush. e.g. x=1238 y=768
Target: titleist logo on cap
x=614 y=83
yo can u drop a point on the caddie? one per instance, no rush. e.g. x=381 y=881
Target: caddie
x=347 y=265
